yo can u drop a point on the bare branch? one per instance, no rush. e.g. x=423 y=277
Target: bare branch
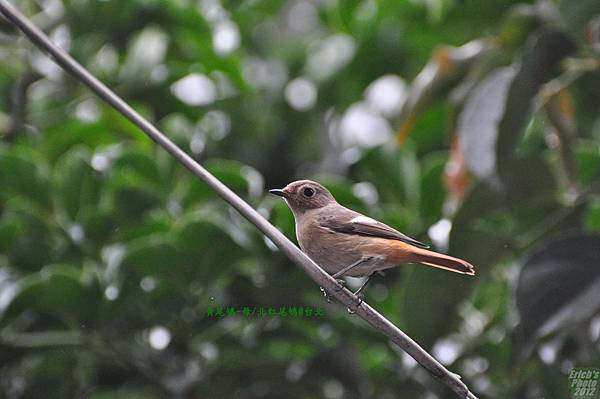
x=279 y=239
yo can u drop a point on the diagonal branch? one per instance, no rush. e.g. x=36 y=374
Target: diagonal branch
x=365 y=311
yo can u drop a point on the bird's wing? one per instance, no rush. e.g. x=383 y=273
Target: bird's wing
x=355 y=223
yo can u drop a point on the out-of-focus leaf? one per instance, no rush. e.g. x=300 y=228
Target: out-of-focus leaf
x=578 y=15
x=558 y=286
x=60 y=290
x=145 y=51
x=446 y=65
x=533 y=184
x=152 y=255
x=592 y=215
x=342 y=192
x=478 y=122
x=395 y=172
x=435 y=293
x=468 y=238
x=76 y=185
x=205 y=244
x=492 y=121
x=98 y=224
x=229 y=172
x=156 y=223
x=587 y=156
x=518 y=23
x=282 y=217
x=9 y=229
x=432 y=188
x=430 y=128
x=61 y=137
x=594 y=35
x=131 y=196
x=141 y=164
x=539 y=64
x=40 y=368
x=120 y=394
x=24 y=172
x=33 y=244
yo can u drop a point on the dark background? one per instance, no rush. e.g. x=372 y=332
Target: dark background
x=473 y=126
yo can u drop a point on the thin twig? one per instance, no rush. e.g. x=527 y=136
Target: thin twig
x=559 y=112
x=279 y=239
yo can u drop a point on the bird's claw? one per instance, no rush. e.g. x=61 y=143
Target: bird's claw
x=361 y=298
x=338 y=289
x=325 y=294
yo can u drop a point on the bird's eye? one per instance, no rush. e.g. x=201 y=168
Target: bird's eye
x=308 y=192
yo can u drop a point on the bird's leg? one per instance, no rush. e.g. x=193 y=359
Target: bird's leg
x=341 y=273
x=362 y=287
x=358 y=292
x=352 y=266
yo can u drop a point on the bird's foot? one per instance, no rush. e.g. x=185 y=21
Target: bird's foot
x=325 y=294
x=361 y=298
x=341 y=285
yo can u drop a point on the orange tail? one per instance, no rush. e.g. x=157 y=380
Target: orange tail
x=435 y=259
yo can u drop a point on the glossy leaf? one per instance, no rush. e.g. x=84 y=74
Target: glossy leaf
x=478 y=122
x=558 y=286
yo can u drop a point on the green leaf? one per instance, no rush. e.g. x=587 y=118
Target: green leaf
x=230 y=173
x=152 y=255
x=61 y=137
x=9 y=230
x=59 y=290
x=132 y=197
x=24 y=172
x=156 y=223
x=429 y=304
x=494 y=116
x=122 y=394
x=34 y=242
x=587 y=155
x=558 y=286
x=395 y=172
x=540 y=63
x=282 y=217
x=433 y=192
x=469 y=238
x=592 y=215
x=76 y=185
x=204 y=243
x=342 y=192
x=141 y=164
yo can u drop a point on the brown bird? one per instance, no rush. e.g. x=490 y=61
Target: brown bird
x=346 y=243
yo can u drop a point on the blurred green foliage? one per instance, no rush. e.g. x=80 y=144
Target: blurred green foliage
x=473 y=126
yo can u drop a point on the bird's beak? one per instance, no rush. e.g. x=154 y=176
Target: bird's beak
x=279 y=192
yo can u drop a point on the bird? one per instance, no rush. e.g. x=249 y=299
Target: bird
x=344 y=242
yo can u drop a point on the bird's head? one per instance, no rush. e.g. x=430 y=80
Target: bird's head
x=303 y=195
